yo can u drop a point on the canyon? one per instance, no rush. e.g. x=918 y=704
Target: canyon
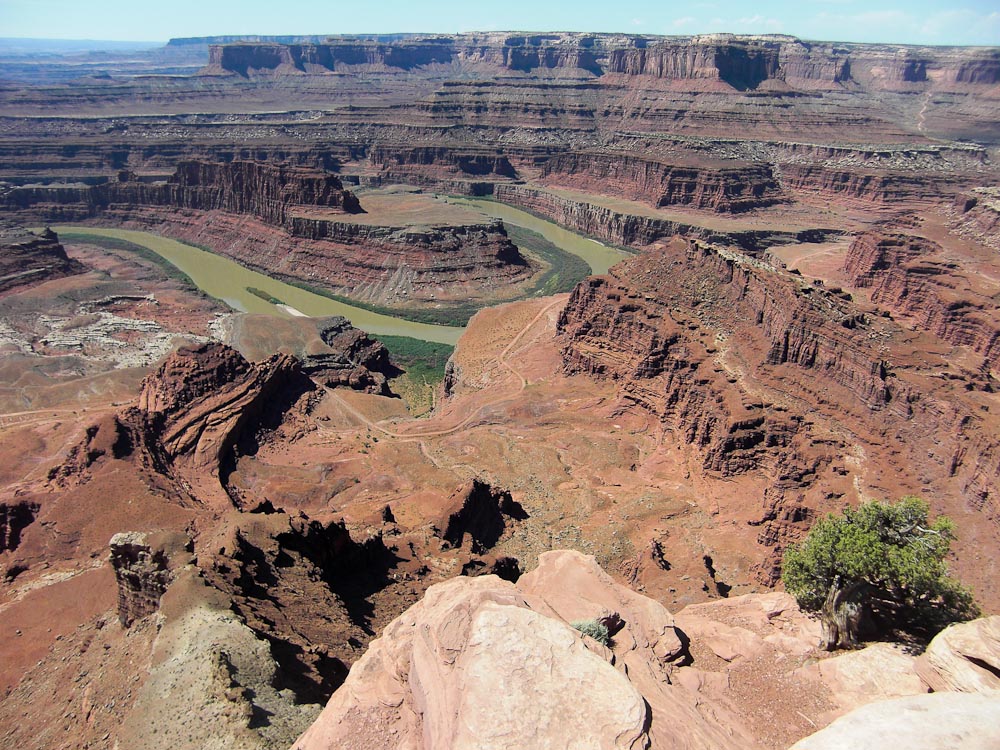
x=240 y=514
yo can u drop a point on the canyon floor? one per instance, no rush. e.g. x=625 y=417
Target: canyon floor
x=209 y=515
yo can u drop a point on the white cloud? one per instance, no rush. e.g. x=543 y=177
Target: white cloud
x=956 y=26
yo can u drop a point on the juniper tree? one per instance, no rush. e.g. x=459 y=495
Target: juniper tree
x=879 y=567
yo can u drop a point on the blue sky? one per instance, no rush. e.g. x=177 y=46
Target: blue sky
x=896 y=21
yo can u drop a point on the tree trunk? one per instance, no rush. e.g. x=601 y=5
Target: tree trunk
x=842 y=614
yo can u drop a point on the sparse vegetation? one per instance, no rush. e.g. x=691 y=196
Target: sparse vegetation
x=595 y=629
x=264 y=295
x=424 y=363
x=565 y=269
x=449 y=314
x=877 y=569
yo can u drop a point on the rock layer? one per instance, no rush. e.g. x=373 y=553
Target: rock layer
x=964 y=657
x=941 y=721
x=725 y=189
x=743 y=63
x=912 y=277
x=283 y=221
x=746 y=363
x=27 y=259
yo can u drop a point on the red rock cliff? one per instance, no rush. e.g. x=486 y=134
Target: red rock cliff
x=765 y=375
x=741 y=62
x=27 y=259
x=728 y=189
x=911 y=277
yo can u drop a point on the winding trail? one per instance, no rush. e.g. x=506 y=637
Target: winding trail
x=501 y=360
x=922 y=114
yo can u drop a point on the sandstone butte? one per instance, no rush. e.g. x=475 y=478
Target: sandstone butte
x=225 y=530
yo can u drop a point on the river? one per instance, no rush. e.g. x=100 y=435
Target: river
x=230 y=282
x=599 y=257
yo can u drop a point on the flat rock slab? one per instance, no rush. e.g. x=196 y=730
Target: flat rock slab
x=938 y=721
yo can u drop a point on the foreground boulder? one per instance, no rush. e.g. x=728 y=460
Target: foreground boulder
x=939 y=721
x=481 y=662
x=964 y=657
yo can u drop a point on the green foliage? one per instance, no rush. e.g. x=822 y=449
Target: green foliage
x=892 y=555
x=596 y=630
x=422 y=360
x=564 y=271
x=266 y=296
x=424 y=363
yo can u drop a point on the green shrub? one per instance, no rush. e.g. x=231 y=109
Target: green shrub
x=596 y=630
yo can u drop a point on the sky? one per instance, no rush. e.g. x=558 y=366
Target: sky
x=891 y=21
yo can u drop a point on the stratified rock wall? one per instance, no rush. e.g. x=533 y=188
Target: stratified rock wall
x=878 y=188
x=263 y=190
x=909 y=276
x=634 y=230
x=760 y=371
x=727 y=189
x=27 y=259
x=740 y=62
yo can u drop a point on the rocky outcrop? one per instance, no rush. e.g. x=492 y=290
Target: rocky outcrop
x=979 y=215
x=354 y=359
x=203 y=404
x=27 y=259
x=964 y=657
x=723 y=188
x=450 y=672
x=15 y=517
x=480 y=512
x=739 y=359
x=912 y=277
x=201 y=407
x=144 y=566
x=212 y=682
x=304 y=587
x=940 y=721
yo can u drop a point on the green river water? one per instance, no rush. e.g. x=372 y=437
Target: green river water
x=228 y=281
x=599 y=257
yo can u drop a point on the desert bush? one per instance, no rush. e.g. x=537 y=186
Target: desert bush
x=596 y=630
